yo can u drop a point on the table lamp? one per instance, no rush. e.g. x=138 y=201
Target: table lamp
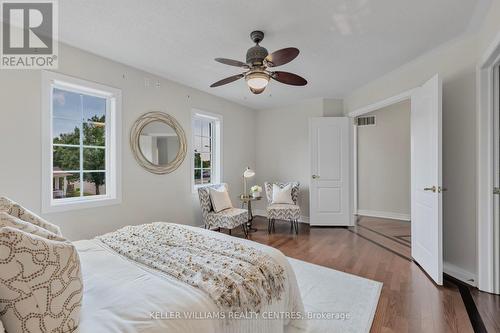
x=249 y=173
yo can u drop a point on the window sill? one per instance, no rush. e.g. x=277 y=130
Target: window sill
x=196 y=187
x=68 y=205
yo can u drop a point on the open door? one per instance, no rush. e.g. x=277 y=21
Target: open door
x=329 y=189
x=426 y=172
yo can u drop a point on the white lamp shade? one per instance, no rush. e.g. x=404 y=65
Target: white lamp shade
x=248 y=173
x=257 y=80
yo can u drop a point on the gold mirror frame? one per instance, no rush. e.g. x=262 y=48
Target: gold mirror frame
x=135 y=134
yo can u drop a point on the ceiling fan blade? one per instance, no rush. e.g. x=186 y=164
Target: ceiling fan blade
x=227 y=80
x=281 y=57
x=289 y=78
x=231 y=62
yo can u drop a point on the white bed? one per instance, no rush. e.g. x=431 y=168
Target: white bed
x=123 y=296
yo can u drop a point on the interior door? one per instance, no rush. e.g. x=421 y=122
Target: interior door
x=329 y=189
x=426 y=165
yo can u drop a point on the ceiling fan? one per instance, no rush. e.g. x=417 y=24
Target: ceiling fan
x=257 y=63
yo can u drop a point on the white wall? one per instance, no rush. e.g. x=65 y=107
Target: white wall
x=456 y=62
x=490 y=28
x=146 y=197
x=384 y=159
x=282 y=144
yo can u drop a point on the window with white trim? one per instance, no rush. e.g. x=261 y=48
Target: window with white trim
x=206 y=151
x=81 y=155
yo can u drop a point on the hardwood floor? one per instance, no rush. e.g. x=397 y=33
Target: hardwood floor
x=393 y=234
x=399 y=231
x=488 y=306
x=409 y=301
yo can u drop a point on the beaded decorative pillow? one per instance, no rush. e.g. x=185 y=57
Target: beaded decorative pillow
x=40 y=283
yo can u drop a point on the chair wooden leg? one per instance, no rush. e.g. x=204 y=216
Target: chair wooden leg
x=269 y=226
x=292 y=226
x=229 y=230
x=296 y=227
x=274 y=229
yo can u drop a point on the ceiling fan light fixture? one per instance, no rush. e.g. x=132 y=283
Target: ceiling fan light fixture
x=257 y=81
x=257 y=91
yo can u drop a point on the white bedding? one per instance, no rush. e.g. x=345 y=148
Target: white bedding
x=122 y=296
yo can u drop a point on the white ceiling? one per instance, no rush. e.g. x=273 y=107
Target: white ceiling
x=344 y=43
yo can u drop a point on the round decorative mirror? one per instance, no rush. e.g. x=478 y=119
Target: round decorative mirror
x=158 y=142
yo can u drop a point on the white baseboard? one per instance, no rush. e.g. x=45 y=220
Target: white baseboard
x=262 y=212
x=384 y=215
x=460 y=274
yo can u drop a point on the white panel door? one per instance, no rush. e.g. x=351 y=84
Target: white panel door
x=329 y=188
x=426 y=165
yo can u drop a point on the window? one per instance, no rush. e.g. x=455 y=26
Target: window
x=206 y=152
x=80 y=154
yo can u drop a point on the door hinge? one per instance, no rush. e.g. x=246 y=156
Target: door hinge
x=496 y=190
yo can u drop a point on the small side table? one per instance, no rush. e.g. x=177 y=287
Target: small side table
x=247 y=199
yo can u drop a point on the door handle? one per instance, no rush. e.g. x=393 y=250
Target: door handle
x=315 y=177
x=433 y=189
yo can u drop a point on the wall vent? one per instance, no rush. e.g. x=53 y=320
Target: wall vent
x=366 y=121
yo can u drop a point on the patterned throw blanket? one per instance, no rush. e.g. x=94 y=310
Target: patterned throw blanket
x=236 y=277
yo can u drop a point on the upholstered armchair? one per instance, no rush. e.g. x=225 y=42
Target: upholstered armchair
x=278 y=211
x=228 y=219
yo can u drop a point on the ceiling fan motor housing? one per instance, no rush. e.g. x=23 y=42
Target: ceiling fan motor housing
x=256 y=55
